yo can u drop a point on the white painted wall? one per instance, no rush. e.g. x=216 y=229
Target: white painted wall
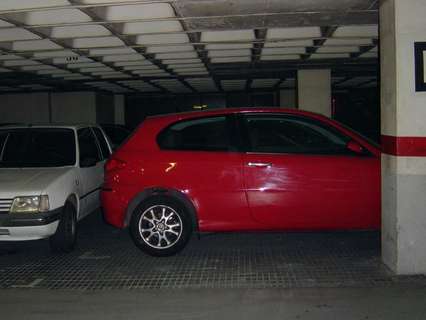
x=74 y=107
x=314 y=91
x=24 y=108
x=71 y=107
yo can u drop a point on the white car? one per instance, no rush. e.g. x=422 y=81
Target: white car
x=50 y=178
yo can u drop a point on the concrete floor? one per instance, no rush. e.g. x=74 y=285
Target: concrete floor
x=106 y=259
x=228 y=276
x=306 y=303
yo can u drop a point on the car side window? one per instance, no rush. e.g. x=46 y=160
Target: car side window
x=89 y=151
x=205 y=134
x=293 y=134
x=102 y=143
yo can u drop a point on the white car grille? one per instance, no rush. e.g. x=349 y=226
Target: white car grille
x=5 y=205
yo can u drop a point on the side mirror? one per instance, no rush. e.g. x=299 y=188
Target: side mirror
x=88 y=162
x=355 y=147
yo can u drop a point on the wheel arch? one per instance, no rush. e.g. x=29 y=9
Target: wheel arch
x=73 y=199
x=169 y=192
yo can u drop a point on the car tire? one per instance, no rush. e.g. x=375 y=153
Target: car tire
x=64 y=239
x=160 y=226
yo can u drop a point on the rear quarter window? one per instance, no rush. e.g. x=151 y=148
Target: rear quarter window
x=205 y=134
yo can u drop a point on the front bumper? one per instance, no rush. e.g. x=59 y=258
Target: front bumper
x=19 y=227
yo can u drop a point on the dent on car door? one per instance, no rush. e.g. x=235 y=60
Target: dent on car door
x=299 y=175
x=91 y=166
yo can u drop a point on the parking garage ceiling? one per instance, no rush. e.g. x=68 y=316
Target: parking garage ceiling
x=184 y=46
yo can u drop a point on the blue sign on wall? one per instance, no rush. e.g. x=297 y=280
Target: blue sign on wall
x=420 y=65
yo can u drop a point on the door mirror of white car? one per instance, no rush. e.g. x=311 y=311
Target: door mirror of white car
x=355 y=147
x=88 y=162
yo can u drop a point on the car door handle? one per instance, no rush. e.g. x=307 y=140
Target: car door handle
x=260 y=164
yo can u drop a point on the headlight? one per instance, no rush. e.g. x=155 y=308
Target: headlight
x=32 y=204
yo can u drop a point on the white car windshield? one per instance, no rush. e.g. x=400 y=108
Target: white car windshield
x=37 y=147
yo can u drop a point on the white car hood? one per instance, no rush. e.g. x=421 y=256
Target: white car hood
x=27 y=181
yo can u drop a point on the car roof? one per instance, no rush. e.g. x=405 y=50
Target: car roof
x=225 y=111
x=49 y=125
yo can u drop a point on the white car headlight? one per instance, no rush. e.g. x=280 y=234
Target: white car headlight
x=30 y=204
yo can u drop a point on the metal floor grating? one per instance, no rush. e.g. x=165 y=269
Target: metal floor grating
x=106 y=258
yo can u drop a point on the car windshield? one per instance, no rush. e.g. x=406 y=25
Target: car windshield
x=37 y=147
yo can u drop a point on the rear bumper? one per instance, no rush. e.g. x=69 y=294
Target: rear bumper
x=20 y=227
x=114 y=207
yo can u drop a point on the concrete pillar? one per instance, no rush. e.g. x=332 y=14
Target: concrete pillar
x=288 y=98
x=403 y=113
x=119 y=109
x=314 y=91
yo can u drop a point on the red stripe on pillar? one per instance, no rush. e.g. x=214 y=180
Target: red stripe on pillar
x=404 y=146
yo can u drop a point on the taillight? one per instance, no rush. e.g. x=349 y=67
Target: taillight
x=114 y=164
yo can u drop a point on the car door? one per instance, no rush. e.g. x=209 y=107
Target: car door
x=299 y=174
x=202 y=159
x=91 y=164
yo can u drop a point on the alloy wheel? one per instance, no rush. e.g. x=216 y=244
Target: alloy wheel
x=160 y=227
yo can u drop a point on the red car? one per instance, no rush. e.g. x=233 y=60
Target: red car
x=240 y=170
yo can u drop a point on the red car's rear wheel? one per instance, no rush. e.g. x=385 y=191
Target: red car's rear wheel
x=160 y=226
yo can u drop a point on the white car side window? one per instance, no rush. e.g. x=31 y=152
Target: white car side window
x=102 y=143
x=89 y=151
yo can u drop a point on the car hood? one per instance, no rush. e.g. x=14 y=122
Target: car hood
x=27 y=181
